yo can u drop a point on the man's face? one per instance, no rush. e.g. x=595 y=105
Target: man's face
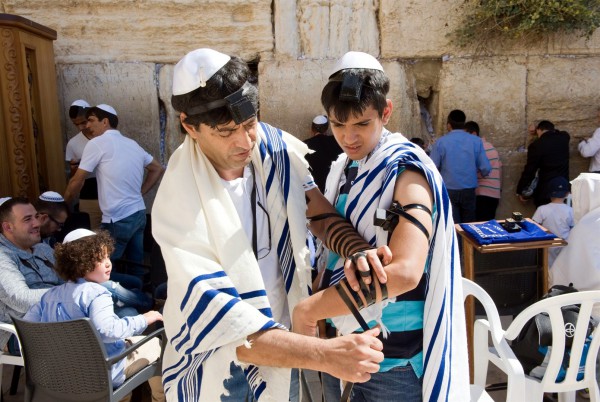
x=358 y=136
x=23 y=229
x=81 y=123
x=50 y=224
x=97 y=127
x=228 y=147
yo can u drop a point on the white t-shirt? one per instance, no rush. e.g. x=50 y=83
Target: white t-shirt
x=240 y=191
x=75 y=148
x=558 y=218
x=119 y=163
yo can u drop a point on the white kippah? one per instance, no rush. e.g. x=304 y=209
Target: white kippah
x=196 y=68
x=51 y=196
x=4 y=199
x=80 y=103
x=107 y=108
x=77 y=234
x=320 y=119
x=356 y=60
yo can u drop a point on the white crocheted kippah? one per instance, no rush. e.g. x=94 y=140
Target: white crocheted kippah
x=51 y=196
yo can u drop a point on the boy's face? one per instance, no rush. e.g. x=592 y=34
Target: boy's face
x=101 y=272
x=358 y=136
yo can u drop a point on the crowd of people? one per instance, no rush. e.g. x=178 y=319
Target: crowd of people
x=251 y=301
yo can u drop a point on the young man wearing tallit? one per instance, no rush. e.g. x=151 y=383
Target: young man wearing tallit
x=420 y=308
x=230 y=217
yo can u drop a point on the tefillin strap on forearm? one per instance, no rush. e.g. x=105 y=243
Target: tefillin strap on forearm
x=340 y=235
x=388 y=218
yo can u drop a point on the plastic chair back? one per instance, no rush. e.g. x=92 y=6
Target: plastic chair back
x=66 y=361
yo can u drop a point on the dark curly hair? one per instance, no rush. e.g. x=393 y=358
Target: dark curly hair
x=77 y=258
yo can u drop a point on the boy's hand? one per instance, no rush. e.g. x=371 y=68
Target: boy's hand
x=152 y=316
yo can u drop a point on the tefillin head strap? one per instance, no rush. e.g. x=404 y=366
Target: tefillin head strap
x=239 y=104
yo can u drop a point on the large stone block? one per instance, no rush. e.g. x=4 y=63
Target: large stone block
x=128 y=87
x=290 y=91
x=491 y=91
x=415 y=29
x=152 y=30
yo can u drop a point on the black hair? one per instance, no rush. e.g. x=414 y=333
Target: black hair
x=51 y=208
x=418 y=141
x=472 y=127
x=113 y=120
x=231 y=77
x=7 y=207
x=77 y=111
x=375 y=87
x=545 y=125
x=456 y=119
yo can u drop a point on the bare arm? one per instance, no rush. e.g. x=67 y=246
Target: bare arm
x=75 y=185
x=155 y=170
x=407 y=263
x=351 y=358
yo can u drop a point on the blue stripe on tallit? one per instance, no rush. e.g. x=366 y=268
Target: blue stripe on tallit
x=209 y=327
x=276 y=149
x=197 y=279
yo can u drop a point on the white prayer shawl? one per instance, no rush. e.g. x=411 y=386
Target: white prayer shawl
x=216 y=293
x=445 y=358
x=579 y=262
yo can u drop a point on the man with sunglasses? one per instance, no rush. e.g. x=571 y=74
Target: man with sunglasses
x=53 y=212
x=230 y=217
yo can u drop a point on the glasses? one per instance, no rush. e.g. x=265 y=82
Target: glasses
x=264 y=252
x=59 y=224
x=249 y=127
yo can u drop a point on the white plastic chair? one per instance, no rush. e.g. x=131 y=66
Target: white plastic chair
x=6 y=358
x=533 y=389
x=516 y=377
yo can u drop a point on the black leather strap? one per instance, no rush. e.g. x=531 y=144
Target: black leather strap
x=401 y=211
x=350 y=306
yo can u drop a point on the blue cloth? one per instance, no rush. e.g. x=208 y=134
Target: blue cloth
x=88 y=299
x=491 y=232
x=458 y=156
x=399 y=384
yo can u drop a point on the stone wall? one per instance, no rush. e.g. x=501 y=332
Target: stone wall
x=122 y=53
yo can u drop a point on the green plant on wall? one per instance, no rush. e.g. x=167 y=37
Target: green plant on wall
x=525 y=19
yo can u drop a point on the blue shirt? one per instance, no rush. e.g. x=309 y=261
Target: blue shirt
x=458 y=156
x=88 y=299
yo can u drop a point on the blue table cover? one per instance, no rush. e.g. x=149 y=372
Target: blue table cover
x=491 y=232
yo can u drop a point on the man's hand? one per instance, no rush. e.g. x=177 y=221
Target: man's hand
x=376 y=258
x=354 y=357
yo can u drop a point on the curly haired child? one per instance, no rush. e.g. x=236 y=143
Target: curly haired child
x=83 y=261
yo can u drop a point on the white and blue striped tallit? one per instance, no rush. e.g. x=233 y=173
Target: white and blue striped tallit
x=446 y=372
x=216 y=293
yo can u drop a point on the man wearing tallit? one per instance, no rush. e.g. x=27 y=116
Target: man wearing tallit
x=230 y=217
x=420 y=307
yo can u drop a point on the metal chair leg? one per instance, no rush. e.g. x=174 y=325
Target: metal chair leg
x=14 y=383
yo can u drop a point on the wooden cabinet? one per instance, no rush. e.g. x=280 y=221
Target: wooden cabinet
x=31 y=143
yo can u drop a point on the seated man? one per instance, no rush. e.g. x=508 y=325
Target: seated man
x=53 y=212
x=83 y=261
x=26 y=263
